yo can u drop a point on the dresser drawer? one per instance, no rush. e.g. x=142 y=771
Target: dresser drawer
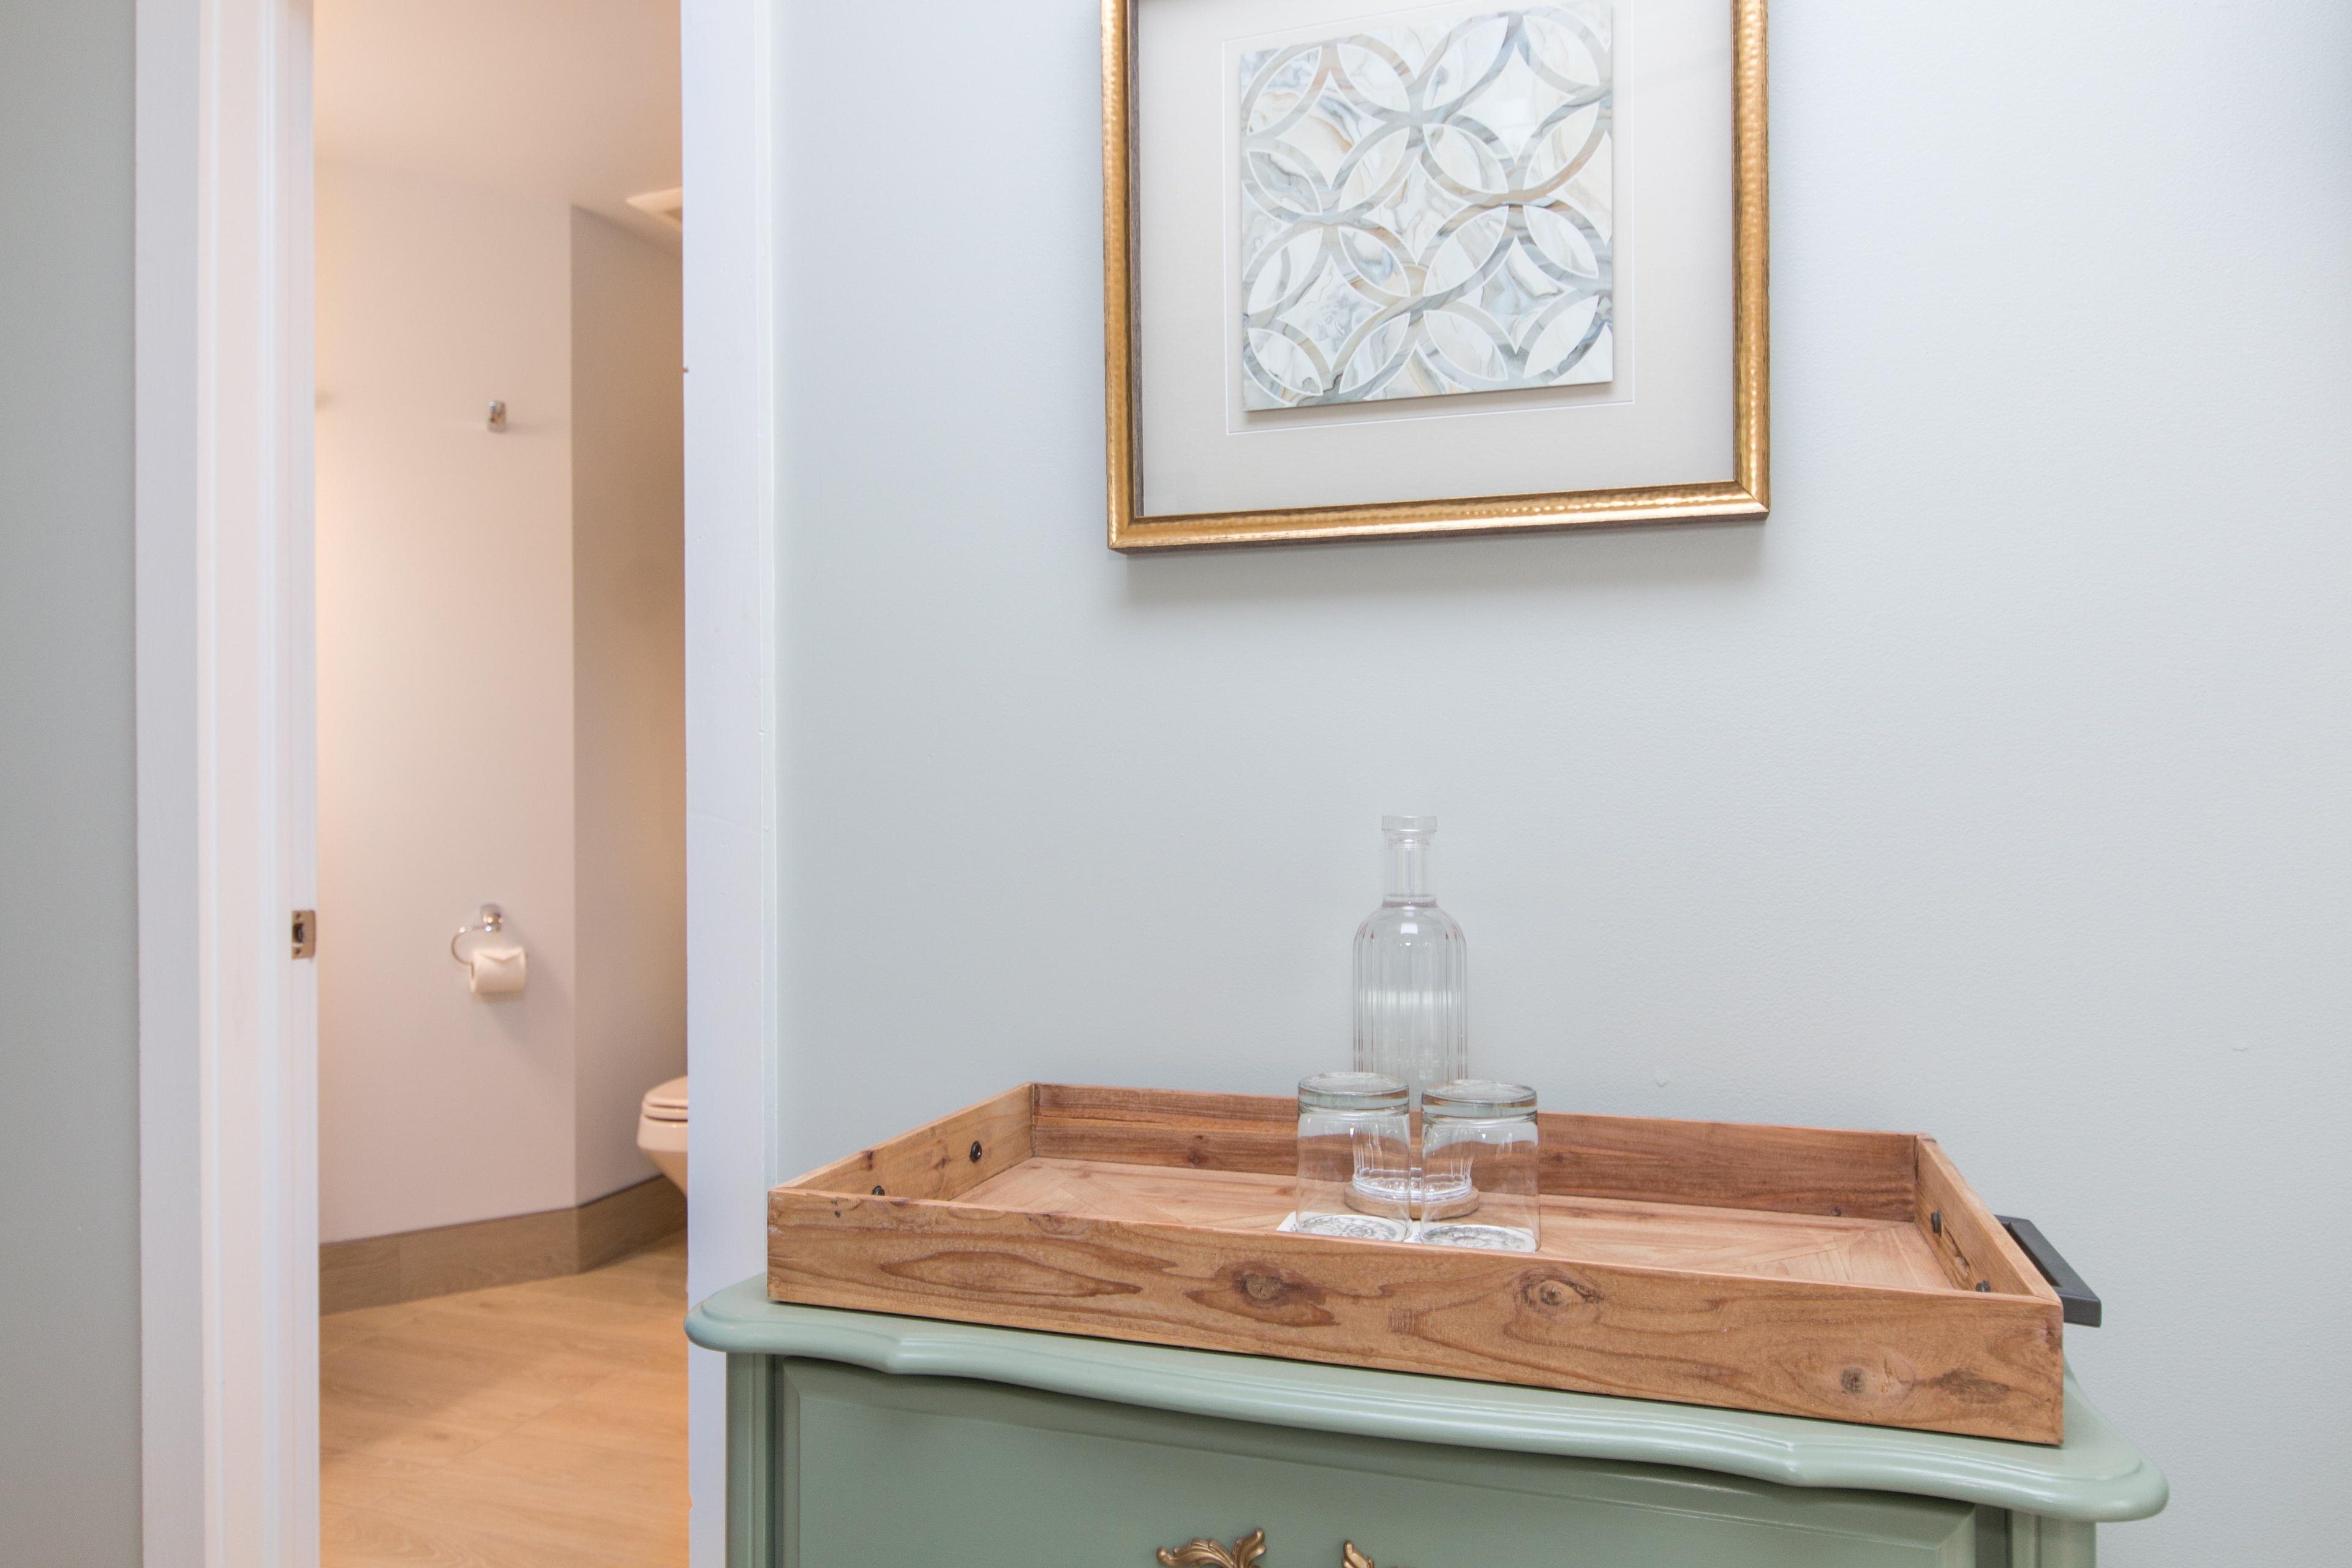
x=872 y=1470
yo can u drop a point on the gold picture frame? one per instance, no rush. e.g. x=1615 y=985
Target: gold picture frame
x=1745 y=496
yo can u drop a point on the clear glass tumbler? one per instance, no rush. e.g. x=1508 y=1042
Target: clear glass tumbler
x=1348 y=1124
x=1478 y=1151
x=1412 y=992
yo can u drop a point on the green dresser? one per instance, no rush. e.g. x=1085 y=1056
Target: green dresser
x=857 y=1440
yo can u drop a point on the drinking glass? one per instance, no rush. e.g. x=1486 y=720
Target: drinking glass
x=1350 y=1123
x=1478 y=1160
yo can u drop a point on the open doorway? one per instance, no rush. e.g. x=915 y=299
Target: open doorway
x=502 y=782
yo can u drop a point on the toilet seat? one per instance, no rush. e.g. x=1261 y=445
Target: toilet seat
x=666 y=1102
x=661 y=1129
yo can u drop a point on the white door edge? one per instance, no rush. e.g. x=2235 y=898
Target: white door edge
x=731 y=761
x=228 y=1232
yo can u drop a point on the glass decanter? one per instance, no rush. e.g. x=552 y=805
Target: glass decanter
x=1412 y=1003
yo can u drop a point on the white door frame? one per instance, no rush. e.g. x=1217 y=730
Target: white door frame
x=732 y=773
x=228 y=1019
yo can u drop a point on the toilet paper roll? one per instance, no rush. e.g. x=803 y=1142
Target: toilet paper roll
x=498 y=969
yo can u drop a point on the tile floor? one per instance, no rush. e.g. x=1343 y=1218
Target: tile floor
x=527 y=1425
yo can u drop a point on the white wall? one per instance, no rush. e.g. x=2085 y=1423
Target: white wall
x=444 y=699
x=628 y=669
x=473 y=729
x=1995 y=789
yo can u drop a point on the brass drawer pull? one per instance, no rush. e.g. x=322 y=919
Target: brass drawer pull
x=1201 y=1552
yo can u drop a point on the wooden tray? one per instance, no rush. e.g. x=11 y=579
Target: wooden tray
x=1850 y=1275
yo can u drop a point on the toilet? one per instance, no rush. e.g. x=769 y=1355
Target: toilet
x=661 y=1129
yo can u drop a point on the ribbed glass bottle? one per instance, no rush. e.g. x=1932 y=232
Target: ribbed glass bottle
x=1413 y=987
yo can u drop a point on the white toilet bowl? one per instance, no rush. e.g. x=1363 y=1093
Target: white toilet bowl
x=661 y=1129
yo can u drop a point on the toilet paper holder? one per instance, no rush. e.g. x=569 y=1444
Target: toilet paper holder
x=491 y=922
x=499 y=969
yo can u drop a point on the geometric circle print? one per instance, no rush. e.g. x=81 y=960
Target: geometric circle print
x=1426 y=209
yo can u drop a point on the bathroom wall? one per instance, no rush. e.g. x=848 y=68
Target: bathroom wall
x=444 y=699
x=629 y=675
x=489 y=652
x=70 y=1340
x=1995 y=787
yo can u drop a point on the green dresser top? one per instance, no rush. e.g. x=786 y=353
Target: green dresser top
x=2097 y=1474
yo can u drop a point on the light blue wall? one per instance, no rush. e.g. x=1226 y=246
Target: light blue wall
x=69 y=1017
x=1996 y=788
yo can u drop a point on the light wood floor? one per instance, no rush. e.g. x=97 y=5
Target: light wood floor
x=527 y=1425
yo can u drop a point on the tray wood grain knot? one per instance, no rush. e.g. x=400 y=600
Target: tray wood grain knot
x=1845 y=1275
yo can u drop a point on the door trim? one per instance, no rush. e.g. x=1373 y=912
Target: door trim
x=732 y=789
x=228 y=1017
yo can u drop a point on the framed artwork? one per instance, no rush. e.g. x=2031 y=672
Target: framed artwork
x=1465 y=268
